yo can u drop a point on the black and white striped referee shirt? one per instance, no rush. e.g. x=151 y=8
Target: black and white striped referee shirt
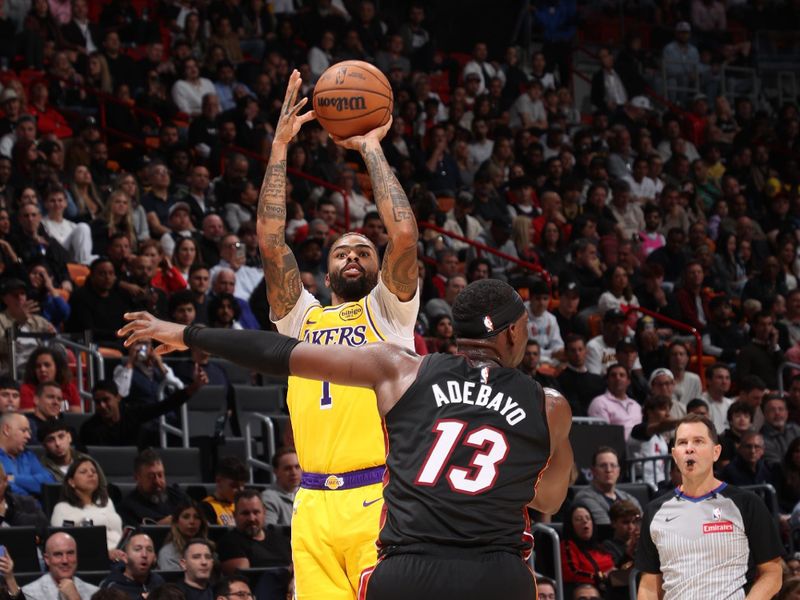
x=707 y=547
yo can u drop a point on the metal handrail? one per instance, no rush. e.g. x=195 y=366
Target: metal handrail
x=633 y=583
x=771 y=499
x=484 y=248
x=556 y=543
x=748 y=72
x=90 y=349
x=785 y=365
x=589 y=420
x=92 y=375
x=182 y=432
x=252 y=462
x=628 y=308
x=677 y=88
x=164 y=428
x=632 y=463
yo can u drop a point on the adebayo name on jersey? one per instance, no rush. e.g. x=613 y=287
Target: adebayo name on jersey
x=346 y=335
x=469 y=392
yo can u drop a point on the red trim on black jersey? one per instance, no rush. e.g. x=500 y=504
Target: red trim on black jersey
x=384 y=509
x=363 y=583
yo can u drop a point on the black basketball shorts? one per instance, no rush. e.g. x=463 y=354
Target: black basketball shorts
x=461 y=576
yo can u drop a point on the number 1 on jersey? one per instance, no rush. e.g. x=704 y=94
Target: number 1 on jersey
x=325 y=400
x=492 y=449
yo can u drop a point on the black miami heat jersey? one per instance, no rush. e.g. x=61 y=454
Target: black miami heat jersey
x=466 y=448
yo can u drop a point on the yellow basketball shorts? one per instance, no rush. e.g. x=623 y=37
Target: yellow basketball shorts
x=334 y=534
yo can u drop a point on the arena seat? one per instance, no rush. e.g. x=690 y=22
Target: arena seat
x=641 y=491
x=21 y=545
x=170 y=576
x=205 y=407
x=586 y=437
x=248 y=399
x=157 y=533
x=117 y=490
x=77 y=273
x=236 y=373
x=49 y=497
x=116 y=461
x=88 y=539
x=75 y=420
x=182 y=465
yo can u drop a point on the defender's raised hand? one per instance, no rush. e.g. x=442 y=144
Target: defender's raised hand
x=290 y=121
x=144 y=326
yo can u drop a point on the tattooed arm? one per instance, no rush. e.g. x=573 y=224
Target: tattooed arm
x=399 y=271
x=280 y=267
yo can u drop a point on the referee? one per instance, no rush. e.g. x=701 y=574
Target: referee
x=706 y=539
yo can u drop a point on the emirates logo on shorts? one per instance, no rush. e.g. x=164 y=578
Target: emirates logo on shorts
x=718 y=527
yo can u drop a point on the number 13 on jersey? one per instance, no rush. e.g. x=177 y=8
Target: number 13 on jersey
x=481 y=474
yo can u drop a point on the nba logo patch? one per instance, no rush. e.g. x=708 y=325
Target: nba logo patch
x=340 y=74
x=487 y=322
x=717 y=514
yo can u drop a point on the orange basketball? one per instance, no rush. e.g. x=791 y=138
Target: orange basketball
x=352 y=98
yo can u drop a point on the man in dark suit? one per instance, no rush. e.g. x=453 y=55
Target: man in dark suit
x=79 y=34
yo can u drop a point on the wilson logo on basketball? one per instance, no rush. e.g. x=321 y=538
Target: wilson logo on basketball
x=350 y=313
x=341 y=103
x=718 y=527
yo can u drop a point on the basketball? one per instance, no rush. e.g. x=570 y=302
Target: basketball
x=352 y=98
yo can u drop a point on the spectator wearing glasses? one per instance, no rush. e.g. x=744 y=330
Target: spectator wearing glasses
x=603 y=492
x=749 y=466
x=232 y=256
x=233 y=587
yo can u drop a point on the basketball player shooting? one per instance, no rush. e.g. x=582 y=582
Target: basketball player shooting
x=339 y=440
x=471 y=442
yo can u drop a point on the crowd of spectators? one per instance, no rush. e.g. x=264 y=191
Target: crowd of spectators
x=132 y=147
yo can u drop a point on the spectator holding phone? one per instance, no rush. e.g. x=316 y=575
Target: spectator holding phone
x=9 y=590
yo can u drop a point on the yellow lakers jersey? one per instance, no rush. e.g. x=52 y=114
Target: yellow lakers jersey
x=336 y=428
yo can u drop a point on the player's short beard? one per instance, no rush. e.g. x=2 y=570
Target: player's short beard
x=352 y=290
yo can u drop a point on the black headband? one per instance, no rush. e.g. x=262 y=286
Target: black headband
x=495 y=320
